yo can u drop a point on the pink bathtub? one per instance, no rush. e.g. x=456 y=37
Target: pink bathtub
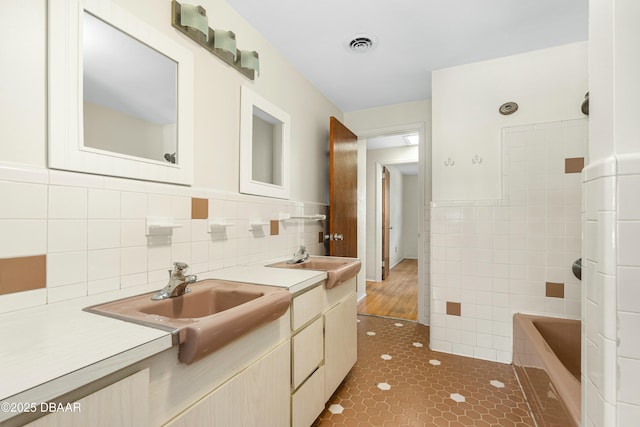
x=546 y=358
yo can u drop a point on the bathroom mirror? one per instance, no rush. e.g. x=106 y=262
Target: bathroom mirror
x=121 y=95
x=264 y=147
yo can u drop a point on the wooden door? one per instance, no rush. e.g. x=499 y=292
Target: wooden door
x=343 y=190
x=386 y=214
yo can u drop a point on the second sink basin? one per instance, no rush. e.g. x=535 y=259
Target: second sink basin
x=209 y=317
x=338 y=269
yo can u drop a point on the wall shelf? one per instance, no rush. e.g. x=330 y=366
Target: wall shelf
x=217 y=226
x=156 y=226
x=314 y=217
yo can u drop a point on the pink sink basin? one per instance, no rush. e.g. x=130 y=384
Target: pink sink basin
x=338 y=269
x=209 y=317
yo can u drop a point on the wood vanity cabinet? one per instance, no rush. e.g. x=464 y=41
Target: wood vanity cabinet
x=124 y=403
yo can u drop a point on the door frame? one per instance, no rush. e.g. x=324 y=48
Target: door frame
x=420 y=128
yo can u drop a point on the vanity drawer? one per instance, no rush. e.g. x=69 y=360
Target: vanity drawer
x=307 y=352
x=308 y=402
x=305 y=307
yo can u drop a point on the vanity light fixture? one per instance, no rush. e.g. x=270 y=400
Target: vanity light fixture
x=225 y=41
x=195 y=17
x=249 y=60
x=221 y=43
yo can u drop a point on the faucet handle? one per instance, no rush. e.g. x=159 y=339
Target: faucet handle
x=180 y=267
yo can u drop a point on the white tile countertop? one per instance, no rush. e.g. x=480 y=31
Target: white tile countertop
x=53 y=349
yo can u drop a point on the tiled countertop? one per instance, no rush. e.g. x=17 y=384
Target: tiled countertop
x=53 y=349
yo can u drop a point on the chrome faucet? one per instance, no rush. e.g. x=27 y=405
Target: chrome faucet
x=178 y=282
x=300 y=256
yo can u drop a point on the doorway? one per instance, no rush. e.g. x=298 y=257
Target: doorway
x=392 y=245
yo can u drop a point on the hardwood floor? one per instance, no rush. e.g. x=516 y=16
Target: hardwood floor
x=397 y=296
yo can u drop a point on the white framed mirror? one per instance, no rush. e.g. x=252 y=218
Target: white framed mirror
x=120 y=95
x=264 y=147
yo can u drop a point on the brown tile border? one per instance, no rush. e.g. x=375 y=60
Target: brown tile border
x=199 y=208
x=454 y=308
x=275 y=227
x=555 y=290
x=574 y=165
x=23 y=274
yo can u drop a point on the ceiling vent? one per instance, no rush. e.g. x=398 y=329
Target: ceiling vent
x=361 y=43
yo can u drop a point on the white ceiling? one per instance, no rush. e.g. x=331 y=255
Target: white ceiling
x=387 y=141
x=415 y=37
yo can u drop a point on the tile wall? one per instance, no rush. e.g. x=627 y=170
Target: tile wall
x=91 y=231
x=611 y=303
x=498 y=257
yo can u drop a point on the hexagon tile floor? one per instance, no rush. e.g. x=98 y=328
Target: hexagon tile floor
x=398 y=381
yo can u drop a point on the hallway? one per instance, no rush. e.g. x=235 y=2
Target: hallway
x=396 y=297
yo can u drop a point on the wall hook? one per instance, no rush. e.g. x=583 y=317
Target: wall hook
x=449 y=162
x=476 y=160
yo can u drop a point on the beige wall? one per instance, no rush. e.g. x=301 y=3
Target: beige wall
x=217 y=97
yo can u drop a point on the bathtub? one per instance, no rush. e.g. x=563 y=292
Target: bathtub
x=546 y=358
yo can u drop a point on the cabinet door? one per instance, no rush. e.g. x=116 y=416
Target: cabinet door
x=125 y=403
x=257 y=396
x=340 y=343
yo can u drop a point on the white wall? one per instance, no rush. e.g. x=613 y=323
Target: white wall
x=92 y=228
x=611 y=219
x=410 y=216
x=548 y=85
x=396 y=206
x=384 y=121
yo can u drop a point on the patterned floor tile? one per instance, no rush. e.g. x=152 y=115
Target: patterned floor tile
x=425 y=388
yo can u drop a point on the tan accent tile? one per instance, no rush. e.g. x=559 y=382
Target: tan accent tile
x=454 y=308
x=555 y=290
x=199 y=208
x=321 y=237
x=23 y=274
x=275 y=227
x=574 y=165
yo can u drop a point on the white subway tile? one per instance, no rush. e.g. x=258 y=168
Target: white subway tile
x=159 y=205
x=67 y=202
x=103 y=203
x=627 y=415
x=629 y=378
x=133 y=260
x=159 y=258
x=23 y=201
x=103 y=263
x=67 y=235
x=181 y=207
x=628 y=248
x=21 y=300
x=103 y=233
x=182 y=252
x=200 y=252
x=133 y=280
x=23 y=237
x=133 y=205
x=133 y=232
x=67 y=292
x=629 y=345
x=101 y=286
x=628 y=284
x=66 y=268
